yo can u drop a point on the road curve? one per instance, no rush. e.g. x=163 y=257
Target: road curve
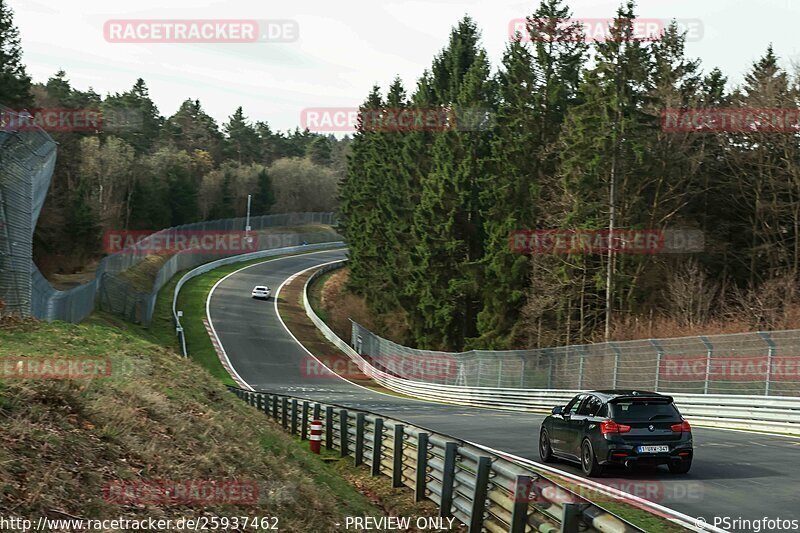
x=735 y=474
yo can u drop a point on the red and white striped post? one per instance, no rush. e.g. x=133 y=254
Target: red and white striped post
x=315 y=436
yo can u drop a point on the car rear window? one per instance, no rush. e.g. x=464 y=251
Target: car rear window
x=639 y=410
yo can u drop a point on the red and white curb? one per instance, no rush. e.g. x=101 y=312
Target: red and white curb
x=223 y=357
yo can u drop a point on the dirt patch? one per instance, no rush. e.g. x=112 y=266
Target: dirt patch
x=294 y=315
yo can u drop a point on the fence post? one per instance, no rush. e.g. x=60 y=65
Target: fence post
x=552 y=369
x=519 y=513
x=377 y=445
x=359 y=455
x=570 y=518
x=274 y=407
x=316 y=411
x=294 y=417
x=770 y=354
x=285 y=412
x=266 y=404
x=344 y=435
x=422 y=467
x=499 y=373
x=659 y=354
x=615 y=376
x=582 y=364
x=479 y=496
x=397 y=457
x=304 y=421
x=448 y=476
x=329 y=427
x=709 y=353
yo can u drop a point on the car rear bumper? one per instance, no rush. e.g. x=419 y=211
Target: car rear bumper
x=628 y=455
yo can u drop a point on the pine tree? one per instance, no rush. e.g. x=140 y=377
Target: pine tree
x=242 y=143
x=358 y=215
x=447 y=224
x=601 y=159
x=15 y=84
x=134 y=117
x=264 y=198
x=320 y=151
x=535 y=90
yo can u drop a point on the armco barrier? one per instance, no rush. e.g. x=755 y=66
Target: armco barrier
x=202 y=269
x=480 y=489
x=771 y=413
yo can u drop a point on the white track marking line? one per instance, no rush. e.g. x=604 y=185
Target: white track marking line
x=211 y=321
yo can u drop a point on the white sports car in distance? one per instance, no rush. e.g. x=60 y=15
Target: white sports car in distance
x=261 y=292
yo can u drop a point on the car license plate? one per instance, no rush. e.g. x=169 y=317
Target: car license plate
x=653 y=449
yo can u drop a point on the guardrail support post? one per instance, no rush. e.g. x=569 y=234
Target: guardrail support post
x=328 y=427
x=570 y=518
x=615 y=376
x=285 y=412
x=479 y=497
x=770 y=354
x=304 y=421
x=359 y=455
x=274 y=407
x=397 y=457
x=659 y=355
x=519 y=513
x=316 y=411
x=377 y=446
x=582 y=366
x=266 y=404
x=709 y=354
x=344 y=434
x=294 y=417
x=448 y=476
x=422 y=467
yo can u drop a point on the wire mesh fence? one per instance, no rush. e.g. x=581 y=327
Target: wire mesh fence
x=124 y=286
x=27 y=158
x=761 y=363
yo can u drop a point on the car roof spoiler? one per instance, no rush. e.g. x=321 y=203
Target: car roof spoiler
x=640 y=397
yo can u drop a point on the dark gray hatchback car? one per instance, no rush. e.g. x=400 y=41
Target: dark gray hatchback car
x=618 y=427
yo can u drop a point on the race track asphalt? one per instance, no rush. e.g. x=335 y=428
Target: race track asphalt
x=734 y=474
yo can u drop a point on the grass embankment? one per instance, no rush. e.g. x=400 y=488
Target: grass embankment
x=156 y=417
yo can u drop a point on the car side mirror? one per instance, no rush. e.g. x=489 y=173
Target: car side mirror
x=557 y=410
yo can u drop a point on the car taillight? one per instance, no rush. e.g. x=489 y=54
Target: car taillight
x=609 y=426
x=683 y=427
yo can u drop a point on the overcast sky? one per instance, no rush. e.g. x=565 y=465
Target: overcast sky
x=344 y=47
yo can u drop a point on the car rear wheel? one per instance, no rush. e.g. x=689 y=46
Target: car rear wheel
x=680 y=467
x=545 y=451
x=589 y=462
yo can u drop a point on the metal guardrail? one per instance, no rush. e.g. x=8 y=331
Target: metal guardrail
x=772 y=413
x=202 y=269
x=481 y=490
x=756 y=363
